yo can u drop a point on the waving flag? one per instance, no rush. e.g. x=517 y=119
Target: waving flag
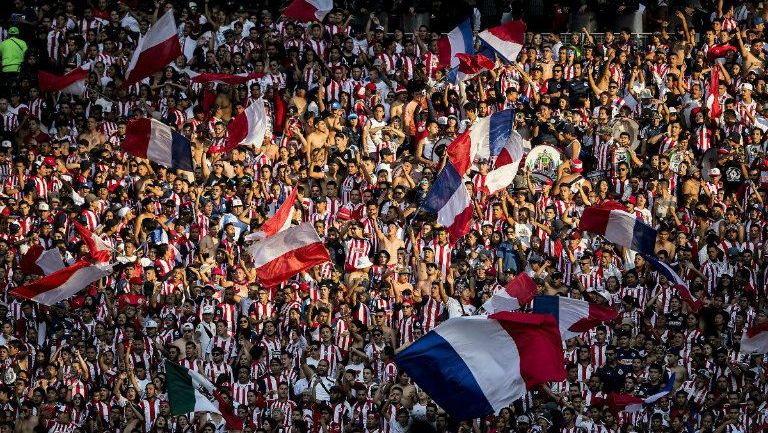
x=756 y=340
x=159 y=47
x=457 y=41
x=184 y=390
x=156 y=141
x=308 y=10
x=98 y=249
x=619 y=227
x=506 y=39
x=72 y=82
x=678 y=283
x=470 y=66
x=287 y=253
x=506 y=164
x=280 y=221
x=474 y=366
x=231 y=79
x=63 y=283
x=518 y=292
x=247 y=128
x=450 y=200
x=631 y=403
x=483 y=140
x=38 y=261
x=573 y=316
x=713 y=95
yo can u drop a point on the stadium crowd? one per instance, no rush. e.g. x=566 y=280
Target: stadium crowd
x=360 y=113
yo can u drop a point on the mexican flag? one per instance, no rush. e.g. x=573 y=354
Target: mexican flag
x=183 y=390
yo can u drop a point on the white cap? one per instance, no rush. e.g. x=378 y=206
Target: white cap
x=43 y=206
x=187 y=326
x=714 y=172
x=236 y=202
x=6 y=144
x=746 y=86
x=208 y=309
x=123 y=211
x=150 y=324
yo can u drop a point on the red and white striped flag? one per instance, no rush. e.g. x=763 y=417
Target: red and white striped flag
x=72 y=82
x=99 y=250
x=756 y=339
x=159 y=47
x=280 y=221
x=308 y=10
x=64 y=283
x=287 y=253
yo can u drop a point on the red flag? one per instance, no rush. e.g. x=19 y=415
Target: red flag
x=98 y=249
x=72 y=82
x=233 y=421
x=713 y=99
x=280 y=221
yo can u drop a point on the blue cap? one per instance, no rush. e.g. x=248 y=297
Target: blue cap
x=335 y=105
x=757 y=21
x=352 y=116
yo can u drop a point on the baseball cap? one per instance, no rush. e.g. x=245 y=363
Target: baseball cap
x=150 y=324
x=187 y=327
x=43 y=207
x=208 y=309
x=236 y=202
x=714 y=171
x=335 y=105
x=13 y=31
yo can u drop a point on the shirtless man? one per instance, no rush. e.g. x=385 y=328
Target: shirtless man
x=754 y=57
x=317 y=140
x=93 y=135
x=26 y=422
x=390 y=242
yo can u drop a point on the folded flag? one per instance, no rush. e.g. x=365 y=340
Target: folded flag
x=457 y=41
x=156 y=141
x=308 y=10
x=506 y=39
x=618 y=402
x=756 y=340
x=231 y=79
x=483 y=140
x=474 y=366
x=470 y=66
x=184 y=390
x=99 y=250
x=718 y=51
x=159 y=47
x=287 y=253
x=713 y=94
x=506 y=164
x=247 y=128
x=63 y=283
x=619 y=227
x=677 y=282
x=518 y=292
x=280 y=221
x=72 y=82
x=573 y=316
x=450 y=201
